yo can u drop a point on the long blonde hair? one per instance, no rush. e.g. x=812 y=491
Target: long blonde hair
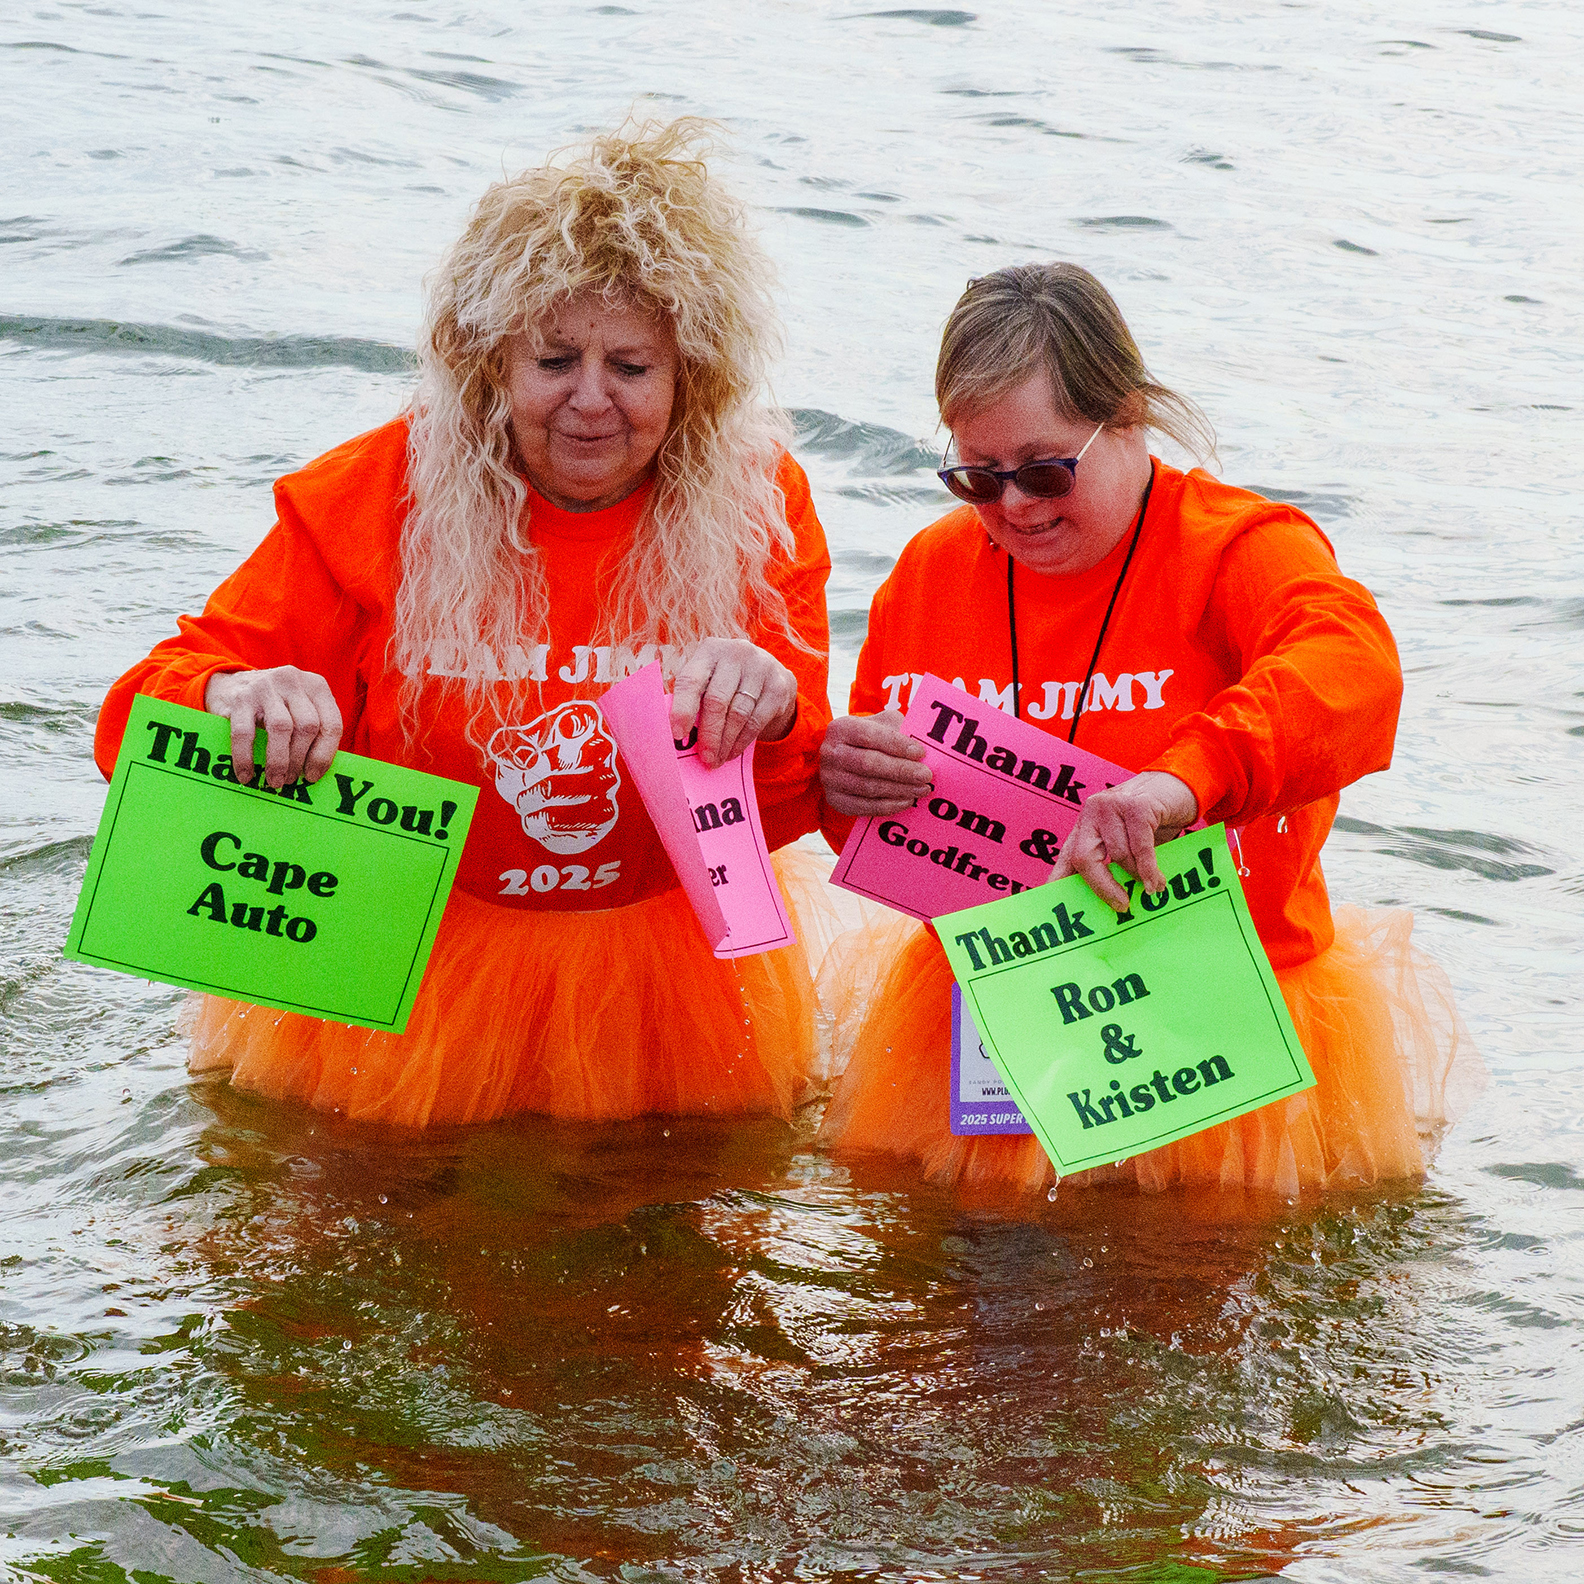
x=634 y=217
x=1058 y=317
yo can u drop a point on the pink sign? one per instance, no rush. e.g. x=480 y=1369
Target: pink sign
x=707 y=820
x=1005 y=796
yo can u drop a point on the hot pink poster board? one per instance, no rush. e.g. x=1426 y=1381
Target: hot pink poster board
x=1005 y=796
x=707 y=820
x=725 y=813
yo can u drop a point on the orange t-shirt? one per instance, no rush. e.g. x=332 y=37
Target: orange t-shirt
x=318 y=594
x=1238 y=658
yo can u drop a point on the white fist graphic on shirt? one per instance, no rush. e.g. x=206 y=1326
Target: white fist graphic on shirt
x=559 y=773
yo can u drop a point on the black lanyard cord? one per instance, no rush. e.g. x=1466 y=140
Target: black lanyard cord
x=1094 y=659
x=1012 y=635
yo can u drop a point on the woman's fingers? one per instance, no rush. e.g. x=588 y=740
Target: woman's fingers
x=1123 y=825
x=1085 y=853
x=869 y=765
x=328 y=738
x=687 y=693
x=1140 y=833
x=298 y=712
x=703 y=689
x=718 y=695
x=736 y=693
x=766 y=715
x=276 y=718
x=222 y=699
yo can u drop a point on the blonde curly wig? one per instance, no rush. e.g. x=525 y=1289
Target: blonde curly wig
x=634 y=217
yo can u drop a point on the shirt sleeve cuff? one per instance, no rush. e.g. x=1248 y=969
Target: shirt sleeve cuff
x=1201 y=768
x=193 y=689
x=787 y=764
x=835 y=828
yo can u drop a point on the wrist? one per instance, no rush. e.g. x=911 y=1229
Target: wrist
x=218 y=691
x=782 y=725
x=1179 y=803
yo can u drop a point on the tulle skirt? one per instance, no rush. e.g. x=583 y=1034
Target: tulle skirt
x=595 y=1016
x=1392 y=1061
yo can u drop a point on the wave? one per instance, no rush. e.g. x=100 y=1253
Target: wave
x=870 y=446
x=200 y=246
x=1322 y=505
x=115 y=336
x=919 y=14
x=1450 y=849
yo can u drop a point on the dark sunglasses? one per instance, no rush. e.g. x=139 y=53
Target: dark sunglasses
x=1045 y=480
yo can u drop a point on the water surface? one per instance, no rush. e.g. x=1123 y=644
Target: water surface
x=238 y=1342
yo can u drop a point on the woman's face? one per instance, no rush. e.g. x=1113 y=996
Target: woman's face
x=1075 y=531
x=591 y=397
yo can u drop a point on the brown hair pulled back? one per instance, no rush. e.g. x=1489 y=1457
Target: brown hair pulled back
x=1058 y=317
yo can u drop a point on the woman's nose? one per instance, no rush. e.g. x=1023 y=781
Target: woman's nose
x=1016 y=504
x=591 y=391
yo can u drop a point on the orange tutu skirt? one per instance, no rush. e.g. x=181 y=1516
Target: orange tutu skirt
x=595 y=1016
x=1392 y=1061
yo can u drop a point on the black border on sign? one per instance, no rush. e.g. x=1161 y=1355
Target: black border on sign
x=867 y=827
x=388 y=1024
x=1167 y=1135
x=750 y=798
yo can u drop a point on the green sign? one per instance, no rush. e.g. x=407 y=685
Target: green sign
x=1120 y=1032
x=319 y=899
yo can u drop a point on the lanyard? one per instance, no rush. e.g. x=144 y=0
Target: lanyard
x=1094 y=659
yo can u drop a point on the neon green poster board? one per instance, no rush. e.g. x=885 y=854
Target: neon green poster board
x=319 y=899
x=1120 y=1032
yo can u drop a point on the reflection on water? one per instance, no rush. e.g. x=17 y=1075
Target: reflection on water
x=240 y=1342
x=692 y=1349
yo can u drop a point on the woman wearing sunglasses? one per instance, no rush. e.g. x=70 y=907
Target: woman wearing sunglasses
x=1196 y=633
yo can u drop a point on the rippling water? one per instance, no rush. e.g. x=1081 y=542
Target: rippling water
x=239 y=1343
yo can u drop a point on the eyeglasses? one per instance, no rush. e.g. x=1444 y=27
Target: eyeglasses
x=1045 y=480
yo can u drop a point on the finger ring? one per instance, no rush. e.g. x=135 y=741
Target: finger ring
x=753 y=698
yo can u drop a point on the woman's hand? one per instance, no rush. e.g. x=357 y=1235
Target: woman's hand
x=737 y=692
x=1124 y=825
x=296 y=709
x=869 y=765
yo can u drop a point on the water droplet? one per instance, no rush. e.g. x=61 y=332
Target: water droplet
x=346 y=1347
x=1039 y=1308
x=1088 y=1263
x=383 y=1199
x=1051 y=1196
x=665 y=1133
x=126 y=1094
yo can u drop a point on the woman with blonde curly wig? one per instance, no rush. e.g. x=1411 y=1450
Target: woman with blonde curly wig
x=588 y=478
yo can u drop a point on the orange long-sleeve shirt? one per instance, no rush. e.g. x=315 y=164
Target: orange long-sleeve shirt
x=1238 y=658
x=558 y=825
